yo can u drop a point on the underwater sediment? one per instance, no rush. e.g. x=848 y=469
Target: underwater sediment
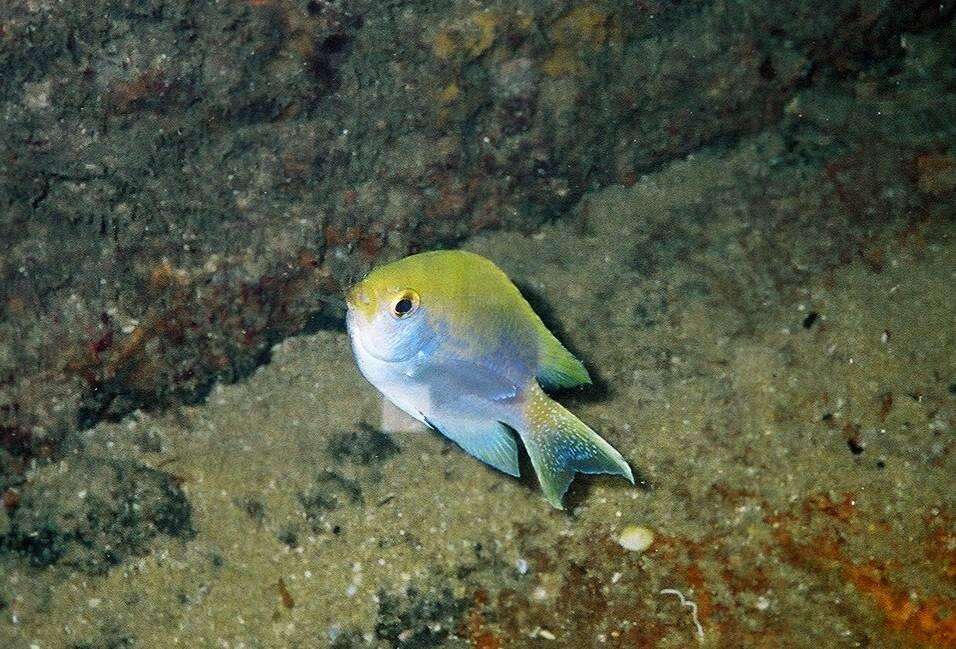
x=740 y=215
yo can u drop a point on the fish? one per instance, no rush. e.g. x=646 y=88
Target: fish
x=449 y=339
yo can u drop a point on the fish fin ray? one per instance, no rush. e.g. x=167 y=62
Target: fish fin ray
x=560 y=445
x=559 y=368
x=457 y=377
x=489 y=441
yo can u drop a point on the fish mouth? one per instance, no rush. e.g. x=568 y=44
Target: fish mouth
x=357 y=298
x=351 y=296
x=355 y=295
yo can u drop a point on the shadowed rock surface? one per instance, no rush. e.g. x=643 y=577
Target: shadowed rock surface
x=181 y=181
x=91 y=513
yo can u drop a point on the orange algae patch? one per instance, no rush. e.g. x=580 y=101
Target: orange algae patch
x=695 y=579
x=928 y=621
x=474 y=625
x=923 y=621
x=941 y=547
x=284 y=595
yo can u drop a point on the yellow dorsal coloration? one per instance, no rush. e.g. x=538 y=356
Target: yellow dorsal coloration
x=479 y=303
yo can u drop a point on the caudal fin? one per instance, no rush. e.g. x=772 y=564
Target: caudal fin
x=560 y=445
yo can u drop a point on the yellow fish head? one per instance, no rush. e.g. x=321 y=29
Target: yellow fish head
x=385 y=317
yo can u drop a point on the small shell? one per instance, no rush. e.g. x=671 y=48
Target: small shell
x=636 y=538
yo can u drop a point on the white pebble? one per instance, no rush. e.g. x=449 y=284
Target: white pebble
x=636 y=538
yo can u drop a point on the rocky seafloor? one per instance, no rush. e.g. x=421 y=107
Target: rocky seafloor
x=739 y=215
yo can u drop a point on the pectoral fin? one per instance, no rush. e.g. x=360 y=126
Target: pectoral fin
x=454 y=378
x=489 y=441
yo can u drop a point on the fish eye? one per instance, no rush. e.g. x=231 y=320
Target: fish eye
x=405 y=303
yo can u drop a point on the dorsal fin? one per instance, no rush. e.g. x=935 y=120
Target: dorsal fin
x=557 y=367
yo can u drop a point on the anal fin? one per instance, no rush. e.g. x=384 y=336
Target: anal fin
x=489 y=441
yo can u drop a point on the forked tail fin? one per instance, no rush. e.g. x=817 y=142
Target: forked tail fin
x=560 y=445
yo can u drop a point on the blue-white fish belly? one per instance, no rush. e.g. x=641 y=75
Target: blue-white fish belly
x=391 y=379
